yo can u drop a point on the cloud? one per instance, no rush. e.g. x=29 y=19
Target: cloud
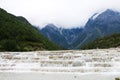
x=65 y=13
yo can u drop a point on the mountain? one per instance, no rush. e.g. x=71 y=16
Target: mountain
x=99 y=25
x=61 y=36
x=105 y=42
x=17 y=34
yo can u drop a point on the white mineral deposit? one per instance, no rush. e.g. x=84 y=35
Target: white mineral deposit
x=97 y=64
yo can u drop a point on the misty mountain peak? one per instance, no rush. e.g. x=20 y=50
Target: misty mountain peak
x=104 y=14
x=50 y=26
x=110 y=12
x=100 y=24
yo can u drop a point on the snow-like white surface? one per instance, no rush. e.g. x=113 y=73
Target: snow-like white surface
x=100 y=60
x=97 y=14
x=57 y=76
x=99 y=64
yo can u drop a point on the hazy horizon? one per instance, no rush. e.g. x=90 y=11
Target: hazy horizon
x=64 y=13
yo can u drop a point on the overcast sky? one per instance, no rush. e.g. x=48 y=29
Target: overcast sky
x=65 y=13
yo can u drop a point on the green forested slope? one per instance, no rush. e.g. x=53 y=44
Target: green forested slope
x=105 y=42
x=17 y=34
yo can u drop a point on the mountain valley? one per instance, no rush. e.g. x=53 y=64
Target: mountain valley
x=98 y=26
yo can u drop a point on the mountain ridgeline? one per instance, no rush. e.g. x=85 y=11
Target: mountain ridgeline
x=63 y=37
x=98 y=26
x=17 y=34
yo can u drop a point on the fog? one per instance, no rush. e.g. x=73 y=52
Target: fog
x=63 y=13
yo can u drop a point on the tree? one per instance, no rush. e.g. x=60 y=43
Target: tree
x=9 y=45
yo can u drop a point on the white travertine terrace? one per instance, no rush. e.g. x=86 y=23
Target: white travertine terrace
x=100 y=60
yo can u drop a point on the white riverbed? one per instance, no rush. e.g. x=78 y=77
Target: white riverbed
x=58 y=76
x=98 y=64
